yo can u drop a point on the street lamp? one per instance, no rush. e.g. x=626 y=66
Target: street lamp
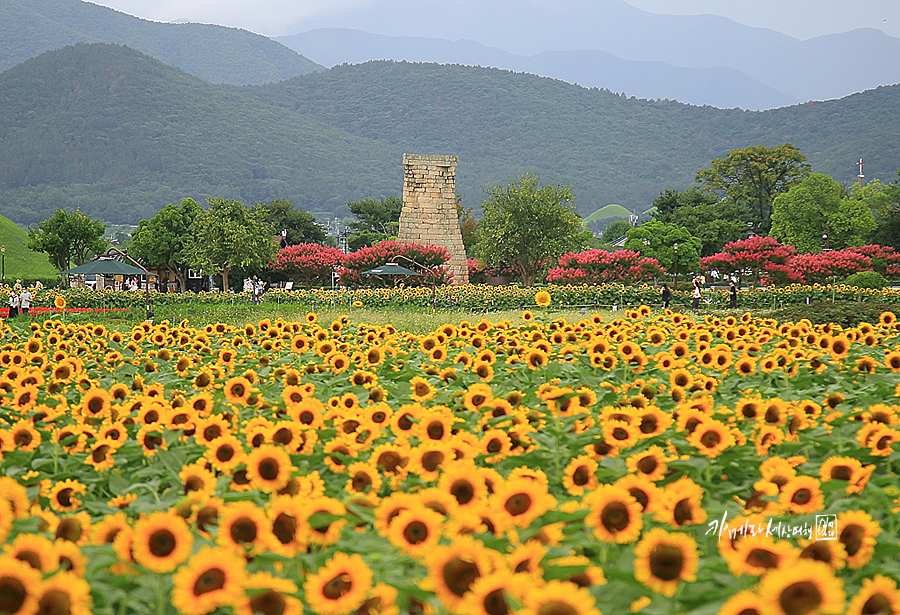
x=3 y=263
x=675 y=283
x=146 y=279
x=825 y=241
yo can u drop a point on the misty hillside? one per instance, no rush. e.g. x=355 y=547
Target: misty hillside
x=120 y=135
x=213 y=53
x=818 y=69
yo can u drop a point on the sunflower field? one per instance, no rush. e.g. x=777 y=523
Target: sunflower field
x=656 y=463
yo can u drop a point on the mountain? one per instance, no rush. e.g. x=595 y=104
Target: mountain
x=120 y=135
x=719 y=87
x=213 y=53
x=817 y=69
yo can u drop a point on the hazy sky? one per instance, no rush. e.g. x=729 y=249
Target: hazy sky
x=799 y=18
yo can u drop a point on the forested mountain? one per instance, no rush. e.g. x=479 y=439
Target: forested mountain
x=213 y=53
x=120 y=135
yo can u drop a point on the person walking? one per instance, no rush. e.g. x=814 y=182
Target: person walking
x=696 y=294
x=25 y=298
x=14 y=301
x=666 y=296
x=732 y=295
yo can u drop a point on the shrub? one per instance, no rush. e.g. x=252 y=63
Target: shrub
x=600 y=267
x=431 y=261
x=844 y=313
x=867 y=279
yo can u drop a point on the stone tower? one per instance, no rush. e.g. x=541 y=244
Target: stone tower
x=429 y=208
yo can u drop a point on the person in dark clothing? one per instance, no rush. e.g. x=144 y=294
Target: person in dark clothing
x=666 y=295
x=732 y=295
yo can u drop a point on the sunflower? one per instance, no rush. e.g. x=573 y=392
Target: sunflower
x=580 y=475
x=805 y=587
x=642 y=489
x=745 y=602
x=340 y=586
x=244 y=527
x=519 y=501
x=683 y=503
x=59 y=302
x=878 y=595
x=453 y=568
x=491 y=593
x=19 y=586
x=268 y=468
x=542 y=298
x=420 y=389
x=856 y=530
x=161 y=541
x=326 y=520
x=620 y=434
x=35 y=550
x=711 y=438
x=558 y=597
x=802 y=495
x=651 y=463
x=238 y=390
x=363 y=479
x=64 y=592
x=662 y=559
x=758 y=554
x=225 y=453
x=63 y=495
x=848 y=470
x=463 y=482
x=212 y=578
x=416 y=530
x=614 y=515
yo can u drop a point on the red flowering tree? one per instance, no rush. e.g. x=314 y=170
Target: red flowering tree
x=829 y=266
x=762 y=258
x=307 y=263
x=600 y=266
x=885 y=259
x=426 y=259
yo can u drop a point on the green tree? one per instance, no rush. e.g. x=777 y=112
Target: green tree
x=69 y=238
x=816 y=207
x=528 y=227
x=163 y=240
x=377 y=219
x=299 y=225
x=752 y=177
x=713 y=221
x=884 y=201
x=615 y=230
x=229 y=235
x=469 y=228
x=657 y=240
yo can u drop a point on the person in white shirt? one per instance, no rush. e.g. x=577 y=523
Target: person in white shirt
x=25 y=300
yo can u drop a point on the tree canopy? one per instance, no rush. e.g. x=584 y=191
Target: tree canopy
x=753 y=176
x=229 y=235
x=817 y=214
x=713 y=221
x=658 y=241
x=69 y=238
x=376 y=220
x=163 y=240
x=527 y=226
x=299 y=225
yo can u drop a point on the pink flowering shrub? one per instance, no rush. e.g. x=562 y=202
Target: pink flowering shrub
x=429 y=260
x=829 y=266
x=763 y=258
x=307 y=263
x=600 y=266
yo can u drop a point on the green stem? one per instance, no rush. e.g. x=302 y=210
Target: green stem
x=160 y=595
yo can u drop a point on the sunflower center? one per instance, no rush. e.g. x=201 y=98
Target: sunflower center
x=647 y=465
x=581 y=476
x=463 y=491
x=649 y=424
x=620 y=434
x=494 y=603
x=802 y=496
x=225 y=452
x=852 y=538
x=268 y=603
x=361 y=482
x=285 y=528
x=193 y=483
x=615 y=517
x=22 y=438
x=283 y=436
x=99 y=453
x=762 y=558
x=494 y=446
x=556 y=607
x=12 y=594
x=212 y=432
x=55 y=602
x=800 y=598
x=95 y=405
x=666 y=562
x=459 y=575
x=435 y=430
x=64 y=497
x=243 y=530
x=431 y=460
x=683 y=512
x=162 y=543
x=337 y=587
x=415 y=532
x=710 y=439
x=518 y=504
x=268 y=469
x=876 y=604
x=237 y=389
x=209 y=581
